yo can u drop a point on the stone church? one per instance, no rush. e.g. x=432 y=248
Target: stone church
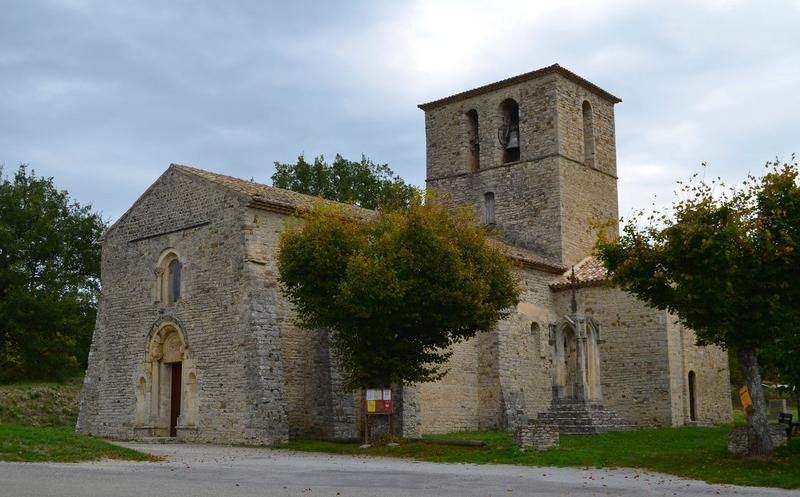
x=194 y=339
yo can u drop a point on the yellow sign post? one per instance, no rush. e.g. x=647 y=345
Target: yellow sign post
x=744 y=397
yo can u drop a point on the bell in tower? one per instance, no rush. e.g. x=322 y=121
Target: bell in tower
x=509 y=131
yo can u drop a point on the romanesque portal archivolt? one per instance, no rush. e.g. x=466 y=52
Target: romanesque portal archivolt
x=166 y=391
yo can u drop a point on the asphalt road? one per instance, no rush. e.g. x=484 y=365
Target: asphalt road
x=204 y=470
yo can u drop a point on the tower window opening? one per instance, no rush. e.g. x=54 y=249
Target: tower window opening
x=588 y=134
x=473 y=141
x=488 y=207
x=508 y=134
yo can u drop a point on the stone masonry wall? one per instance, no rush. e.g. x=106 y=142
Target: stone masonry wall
x=570 y=127
x=447 y=140
x=499 y=379
x=588 y=188
x=645 y=360
x=310 y=374
x=526 y=191
x=634 y=362
x=526 y=198
x=712 y=380
x=213 y=313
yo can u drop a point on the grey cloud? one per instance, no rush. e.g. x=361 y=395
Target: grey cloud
x=104 y=95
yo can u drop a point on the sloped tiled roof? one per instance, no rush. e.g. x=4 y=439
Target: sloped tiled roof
x=527 y=257
x=288 y=202
x=270 y=197
x=554 y=69
x=588 y=272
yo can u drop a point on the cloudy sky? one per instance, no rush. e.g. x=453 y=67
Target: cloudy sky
x=104 y=95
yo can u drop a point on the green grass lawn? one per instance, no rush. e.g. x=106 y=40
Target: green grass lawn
x=37 y=424
x=698 y=453
x=47 y=444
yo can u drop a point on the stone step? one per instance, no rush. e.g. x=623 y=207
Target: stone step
x=158 y=440
x=576 y=417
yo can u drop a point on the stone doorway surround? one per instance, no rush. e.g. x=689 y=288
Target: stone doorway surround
x=166 y=405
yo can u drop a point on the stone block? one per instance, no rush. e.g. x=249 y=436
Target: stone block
x=737 y=438
x=537 y=434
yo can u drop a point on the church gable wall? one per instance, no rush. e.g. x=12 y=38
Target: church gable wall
x=202 y=224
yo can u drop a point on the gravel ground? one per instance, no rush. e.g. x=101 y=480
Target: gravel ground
x=206 y=470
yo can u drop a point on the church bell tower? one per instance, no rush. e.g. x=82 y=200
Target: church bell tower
x=534 y=154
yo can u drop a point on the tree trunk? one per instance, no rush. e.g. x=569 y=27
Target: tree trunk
x=759 y=442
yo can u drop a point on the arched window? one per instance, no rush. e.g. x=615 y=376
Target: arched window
x=508 y=133
x=170 y=279
x=692 y=396
x=488 y=208
x=174 y=290
x=473 y=141
x=588 y=134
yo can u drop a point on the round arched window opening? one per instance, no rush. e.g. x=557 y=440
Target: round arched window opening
x=473 y=141
x=169 y=273
x=588 y=134
x=508 y=133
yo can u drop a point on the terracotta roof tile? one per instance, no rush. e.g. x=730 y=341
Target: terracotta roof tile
x=588 y=272
x=262 y=195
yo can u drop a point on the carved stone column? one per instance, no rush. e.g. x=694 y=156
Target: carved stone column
x=559 y=374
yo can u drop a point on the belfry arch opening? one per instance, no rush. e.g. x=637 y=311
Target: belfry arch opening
x=508 y=133
x=588 y=134
x=473 y=141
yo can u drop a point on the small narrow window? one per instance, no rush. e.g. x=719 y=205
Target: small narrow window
x=508 y=134
x=473 y=141
x=169 y=279
x=692 y=396
x=488 y=207
x=174 y=290
x=588 y=134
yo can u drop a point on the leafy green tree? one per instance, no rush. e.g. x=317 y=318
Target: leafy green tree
x=727 y=264
x=781 y=358
x=397 y=292
x=363 y=183
x=49 y=279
